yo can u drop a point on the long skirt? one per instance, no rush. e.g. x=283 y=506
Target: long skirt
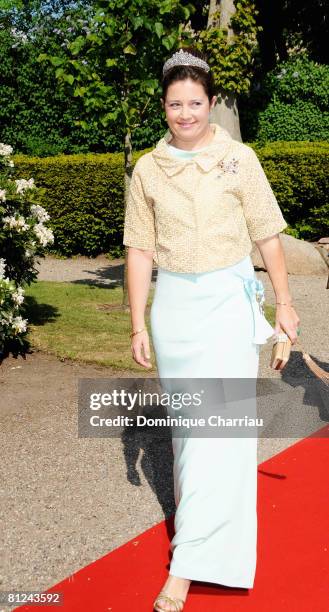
x=210 y=325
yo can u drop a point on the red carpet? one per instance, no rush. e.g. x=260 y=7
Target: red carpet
x=293 y=550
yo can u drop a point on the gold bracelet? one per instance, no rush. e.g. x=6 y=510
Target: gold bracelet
x=138 y=331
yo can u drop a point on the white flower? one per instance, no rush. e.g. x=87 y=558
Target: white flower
x=2 y=195
x=21 y=224
x=19 y=324
x=2 y=267
x=9 y=221
x=7 y=319
x=5 y=150
x=18 y=297
x=11 y=164
x=39 y=212
x=6 y=322
x=43 y=234
x=22 y=185
x=18 y=224
x=295 y=74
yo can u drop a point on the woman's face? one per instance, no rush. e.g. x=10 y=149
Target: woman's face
x=187 y=109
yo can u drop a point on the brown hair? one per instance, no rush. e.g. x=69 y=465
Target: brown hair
x=181 y=73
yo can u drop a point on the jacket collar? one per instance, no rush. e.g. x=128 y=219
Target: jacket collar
x=215 y=152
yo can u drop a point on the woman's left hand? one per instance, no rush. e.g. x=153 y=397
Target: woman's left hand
x=287 y=320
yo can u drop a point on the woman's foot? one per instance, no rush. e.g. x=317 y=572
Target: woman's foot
x=174 y=587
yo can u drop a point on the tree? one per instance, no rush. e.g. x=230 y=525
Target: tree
x=115 y=66
x=230 y=41
x=226 y=111
x=35 y=116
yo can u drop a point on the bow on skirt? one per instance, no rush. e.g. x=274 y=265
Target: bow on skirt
x=255 y=291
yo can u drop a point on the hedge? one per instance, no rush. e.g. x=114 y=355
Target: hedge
x=298 y=173
x=84 y=198
x=84 y=194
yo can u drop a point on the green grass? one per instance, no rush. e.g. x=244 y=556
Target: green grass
x=72 y=321
x=69 y=321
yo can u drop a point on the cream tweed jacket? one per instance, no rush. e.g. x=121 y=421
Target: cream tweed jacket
x=200 y=214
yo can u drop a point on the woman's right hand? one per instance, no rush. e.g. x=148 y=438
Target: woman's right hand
x=140 y=348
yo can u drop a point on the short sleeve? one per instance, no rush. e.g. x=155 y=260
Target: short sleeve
x=262 y=212
x=139 y=224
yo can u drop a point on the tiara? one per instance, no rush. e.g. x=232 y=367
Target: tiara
x=184 y=58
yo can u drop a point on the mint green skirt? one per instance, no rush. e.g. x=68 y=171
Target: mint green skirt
x=210 y=325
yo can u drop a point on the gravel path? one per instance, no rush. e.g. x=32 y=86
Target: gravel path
x=99 y=270
x=61 y=509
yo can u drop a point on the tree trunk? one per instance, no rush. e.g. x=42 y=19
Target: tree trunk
x=226 y=112
x=213 y=7
x=127 y=177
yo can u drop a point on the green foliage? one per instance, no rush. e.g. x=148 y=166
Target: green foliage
x=290 y=103
x=99 y=67
x=84 y=194
x=298 y=121
x=299 y=78
x=231 y=58
x=299 y=175
x=35 y=116
x=114 y=68
x=38 y=117
x=6 y=5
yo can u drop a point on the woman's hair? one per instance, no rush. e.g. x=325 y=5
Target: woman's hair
x=180 y=73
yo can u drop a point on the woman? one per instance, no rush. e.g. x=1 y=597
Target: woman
x=197 y=201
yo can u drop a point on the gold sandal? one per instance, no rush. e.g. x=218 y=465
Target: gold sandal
x=178 y=603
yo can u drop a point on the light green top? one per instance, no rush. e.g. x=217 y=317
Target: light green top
x=182 y=153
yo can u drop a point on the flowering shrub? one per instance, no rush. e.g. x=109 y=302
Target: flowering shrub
x=23 y=234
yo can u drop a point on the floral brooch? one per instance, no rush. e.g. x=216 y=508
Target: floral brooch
x=231 y=167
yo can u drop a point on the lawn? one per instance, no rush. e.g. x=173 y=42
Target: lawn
x=84 y=322
x=81 y=322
